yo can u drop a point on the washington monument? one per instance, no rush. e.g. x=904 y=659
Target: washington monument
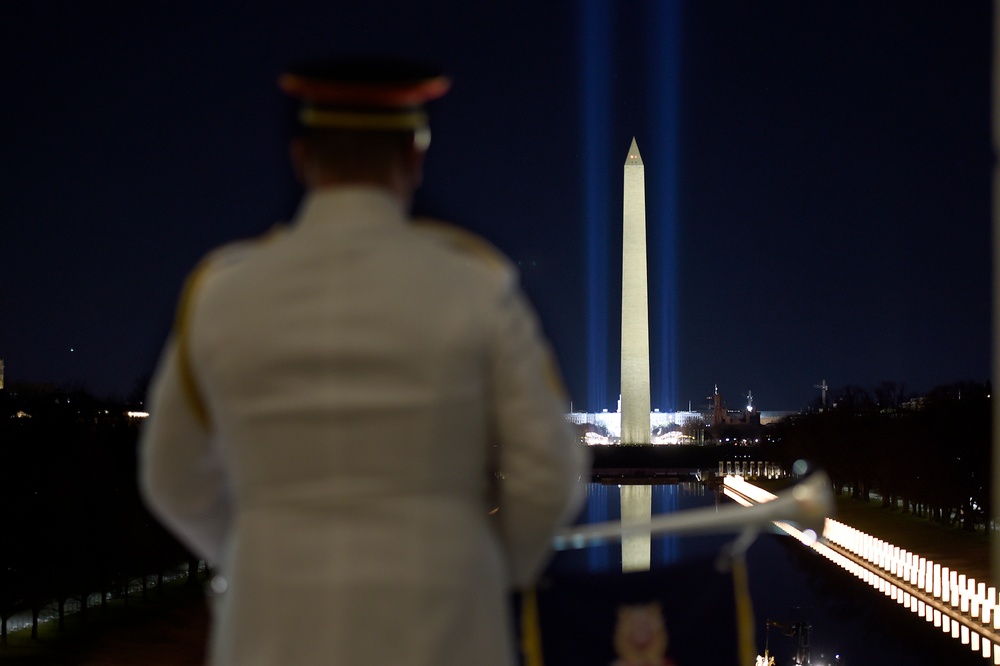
x=635 y=313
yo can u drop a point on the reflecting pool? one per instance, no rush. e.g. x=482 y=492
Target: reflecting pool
x=789 y=584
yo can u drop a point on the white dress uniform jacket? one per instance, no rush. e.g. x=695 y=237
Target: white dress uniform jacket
x=327 y=425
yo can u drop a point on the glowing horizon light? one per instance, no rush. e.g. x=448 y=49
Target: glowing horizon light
x=672 y=438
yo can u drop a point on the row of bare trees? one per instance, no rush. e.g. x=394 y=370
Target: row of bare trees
x=930 y=456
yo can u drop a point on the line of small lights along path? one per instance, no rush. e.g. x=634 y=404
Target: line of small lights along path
x=951 y=601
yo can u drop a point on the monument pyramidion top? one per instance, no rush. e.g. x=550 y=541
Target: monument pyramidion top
x=634 y=158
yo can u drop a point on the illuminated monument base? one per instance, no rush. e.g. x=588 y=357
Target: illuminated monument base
x=611 y=424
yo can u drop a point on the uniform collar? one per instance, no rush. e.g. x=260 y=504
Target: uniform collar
x=349 y=205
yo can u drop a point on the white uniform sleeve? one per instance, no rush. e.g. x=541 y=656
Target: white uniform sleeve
x=541 y=463
x=180 y=473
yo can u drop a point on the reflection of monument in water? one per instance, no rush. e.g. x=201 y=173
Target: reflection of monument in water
x=638 y=503
x=637 y=507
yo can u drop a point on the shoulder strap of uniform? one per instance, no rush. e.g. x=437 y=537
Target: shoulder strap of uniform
x=182 y=335
x=182 y=321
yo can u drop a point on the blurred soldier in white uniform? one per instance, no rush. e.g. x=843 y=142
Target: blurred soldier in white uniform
x=358 y=419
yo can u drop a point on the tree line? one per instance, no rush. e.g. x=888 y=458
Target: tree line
x=929 y=456
x=73 y=522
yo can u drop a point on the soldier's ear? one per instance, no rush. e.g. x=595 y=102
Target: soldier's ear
x=415 y=163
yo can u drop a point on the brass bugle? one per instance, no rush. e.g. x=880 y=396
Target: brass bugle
x=806 y=504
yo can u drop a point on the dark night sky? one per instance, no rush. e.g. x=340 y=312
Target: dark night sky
x=833 y=174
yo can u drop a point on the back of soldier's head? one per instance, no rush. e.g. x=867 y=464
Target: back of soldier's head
x=359 y=117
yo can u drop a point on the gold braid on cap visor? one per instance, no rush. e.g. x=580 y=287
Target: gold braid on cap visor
x=403 y=120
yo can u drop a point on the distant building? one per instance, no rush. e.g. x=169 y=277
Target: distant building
x=606 y=427
x=722 y=416
x=741 y=425
x=1 y=374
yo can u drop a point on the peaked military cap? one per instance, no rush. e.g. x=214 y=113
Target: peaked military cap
x=364 y=92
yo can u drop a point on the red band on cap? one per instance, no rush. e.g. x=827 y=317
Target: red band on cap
x=365 y=95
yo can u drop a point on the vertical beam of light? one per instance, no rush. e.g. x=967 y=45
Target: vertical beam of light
x=598 y=510
x=666 y=499
x=995 y=126
x=663 y=81
x=595 y=83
